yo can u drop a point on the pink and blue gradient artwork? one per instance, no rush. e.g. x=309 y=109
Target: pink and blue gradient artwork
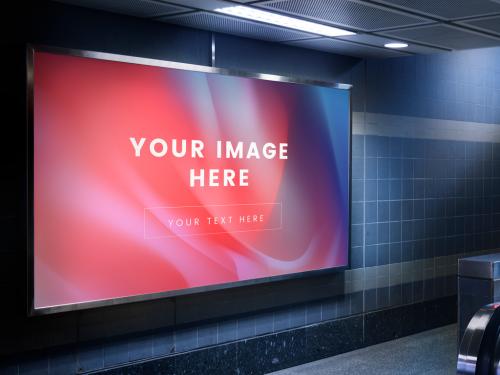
x=150 y=179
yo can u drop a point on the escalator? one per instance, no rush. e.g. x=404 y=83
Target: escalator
x=479 y=351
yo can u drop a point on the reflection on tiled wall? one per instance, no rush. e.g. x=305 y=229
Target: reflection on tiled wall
x=422 y=201
x=463 y=86
x=417 y=205
x=425 y=191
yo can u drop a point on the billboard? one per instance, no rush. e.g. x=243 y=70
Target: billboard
x=151 y=178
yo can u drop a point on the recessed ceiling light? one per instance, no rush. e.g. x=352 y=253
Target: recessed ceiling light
x=396 y=45
x=285 y=21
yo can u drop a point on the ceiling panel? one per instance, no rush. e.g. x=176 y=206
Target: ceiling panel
x=446 y=36
x=236 y=26
x=488 y=24
x=352 y=14
x=377 y=22
x=379 y=41
x=447 y=9
x=138 y=8
x=346 y=48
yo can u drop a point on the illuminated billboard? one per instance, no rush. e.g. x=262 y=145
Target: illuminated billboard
x=153 y=179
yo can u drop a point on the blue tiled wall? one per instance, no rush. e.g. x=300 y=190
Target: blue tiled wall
x=463 y=86
x=417 y=203
x=419 y=198
x=96 y=339
x=425 y=199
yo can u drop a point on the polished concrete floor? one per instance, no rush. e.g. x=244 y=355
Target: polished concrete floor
x=431 y=353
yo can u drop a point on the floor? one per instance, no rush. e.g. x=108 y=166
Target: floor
x=431 y=353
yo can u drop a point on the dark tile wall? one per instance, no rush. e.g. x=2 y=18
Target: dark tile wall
x=272 y=352
x=95 y=338
x=417 y=199
x=461 y=86
x=418 y=203
x=260 y=353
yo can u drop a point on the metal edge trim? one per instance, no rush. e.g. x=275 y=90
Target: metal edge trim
x=191 y=67
x=31 y=49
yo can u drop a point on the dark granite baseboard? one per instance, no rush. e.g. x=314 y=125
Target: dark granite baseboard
x=263 y=354
x=406 y=320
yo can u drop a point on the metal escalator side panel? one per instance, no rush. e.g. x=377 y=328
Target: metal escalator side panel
x=496 y=357
x=478 y=343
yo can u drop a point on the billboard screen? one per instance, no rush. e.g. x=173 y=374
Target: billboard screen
x=153 y=178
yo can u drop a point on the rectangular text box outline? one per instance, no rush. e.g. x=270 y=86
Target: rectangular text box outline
x=209 y=233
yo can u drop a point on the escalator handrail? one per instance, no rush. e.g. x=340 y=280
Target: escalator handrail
x=477 y=348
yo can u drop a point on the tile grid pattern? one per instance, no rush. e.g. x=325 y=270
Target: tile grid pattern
x=420 y=202
x=312 y=316
x=436 y=187
x=417 y=206
x=461 y=86
x=442 y=202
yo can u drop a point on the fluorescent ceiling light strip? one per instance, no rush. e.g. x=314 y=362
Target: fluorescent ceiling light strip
x=396 y=45
x=280 y=20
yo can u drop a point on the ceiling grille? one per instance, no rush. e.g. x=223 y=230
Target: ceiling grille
x=352 y=14
x=379 y=41
x=488 y=24
x=446 y=36
x=447 y=9
x=231 y=25
x=428 y=26
x=345 y=48
x=138 y=8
